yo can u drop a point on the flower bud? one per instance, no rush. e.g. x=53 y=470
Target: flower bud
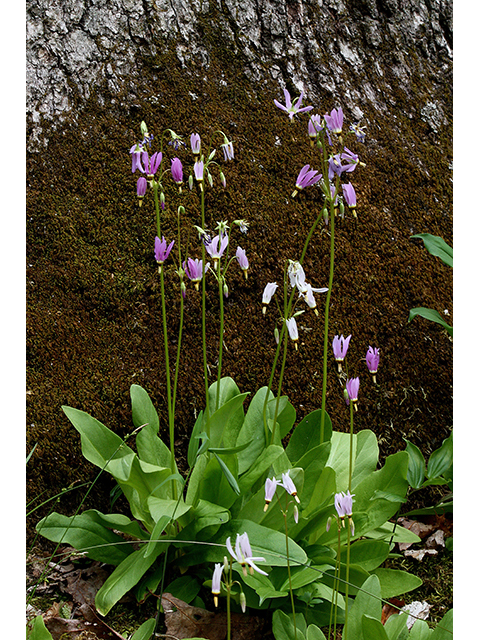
x=243 y=602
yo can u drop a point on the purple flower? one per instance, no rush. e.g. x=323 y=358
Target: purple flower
x=242 y=260
x=141 y=188
x=306 y=178
x=198 y=170
x=358 y=131
x=315 y=125
x=270 y=488
x=151 y=165
x=243 y=554
x=216 y=582
x=335 y=120
x=195 y=144
x=287 y=483
x=195 y=271
x=351 y=158
x=373 y=359
x=214 y=250
x=353 y=385
x=335 y=166
x=161 y=249
x=292 y=330
x=340 y=347
x=228 y=153
x=292 y=108
x=344 y=507
x=268 y=292
x=349 y=195
x=136 y=151
x=177 y=170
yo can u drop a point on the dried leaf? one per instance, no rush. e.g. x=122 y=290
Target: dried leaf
x=391 y=607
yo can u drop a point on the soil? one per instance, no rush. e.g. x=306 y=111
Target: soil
x=93 y=293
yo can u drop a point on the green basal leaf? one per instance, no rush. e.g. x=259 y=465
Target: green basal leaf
x=400 y=534
x=416 y=465
x=444 y=629
x=286 y=415
x=151 y=449
x=394 y=582
x=437 y=246
x=159 y=508
x=84 y=533
x=145 y=631
x=441 y=460
x=432 y=315
x=283 y=626
x=373 y=629
x=366 y=456
x=369 y=554
x=232 y=410
x=306 y=435
x=158 y=529
x=314 y=633
x=225 y=450
x=39 y=630
x=124 y=577
x=253 y=429
x=396 y=627
x=368 y=601
x=143 y=411
x=421 y=631
x=184 y=588
x=356 y=578
x=228 y=390
x=214 y=486
x=262 y=464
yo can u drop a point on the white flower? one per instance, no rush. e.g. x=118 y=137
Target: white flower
x=243 y=554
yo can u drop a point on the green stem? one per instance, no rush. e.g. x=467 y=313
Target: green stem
x=220 y=344
x=229 y=621
x=347 y=578
x=171 y=419
x=204 y=332
x=336 y=582
x=327 y=307
x=350 y=465
x=289 y=572
x=157 y=209
x=280 y=381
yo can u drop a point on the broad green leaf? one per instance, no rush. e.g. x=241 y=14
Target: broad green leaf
x=143 y=411
x=396 y=627
x=416 y=465
x=253 y=429
x=228 y=390
x=124 y=577
x=145 y=631
x=399 y=533
x=195 y=479
x=39 y=630
x=151 y=449
x=83 y=532
x=306 y=435
x=421 y=631
x=339 y=458
x=301 y=576
x=184 y=588
x=158 y=529
x=117 y=521
x=322 y=493
x=437 y=246
x=368 y=601
x=172 y=508
x=100 y=445
x=441 y=460
x=432 y=315
x=394 y=582
x=314 y=633
x=369 y=554
x=444 y=628
x=261 y=585
x=263 y=463
x=283 y=627
x=214 y=486
x=366 y=456
x=356 y=577
x=219 y=420
x=286 y=415
x=373 y=629
x=206 y=518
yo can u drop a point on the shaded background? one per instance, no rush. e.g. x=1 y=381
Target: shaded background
x=96 y=70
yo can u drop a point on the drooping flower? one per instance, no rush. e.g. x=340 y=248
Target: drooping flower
x=292 y=330
x=335 y=166
x=141 y=189
x=334 y=120
x=217 y=247
x=195 y=271
x=349 y=195
x=198 y=171
x=268 y=292
x=270 y=488
x=243 y=554
x=306 y=178
x=352 y=386
x=292 y=108
x=216 y=582
x=315 y=125
x=309 y=298
x=136 y=152
x=373 y=359
x=289 y=486
x=195 y=144
x=161 y=250
x=296 y=274
x=351 y=159
x=242 y=261
x=177 y=171
x=340 y=348
x=344 y=504
x=228 y=153
x=151 y=165
x=242 y=225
